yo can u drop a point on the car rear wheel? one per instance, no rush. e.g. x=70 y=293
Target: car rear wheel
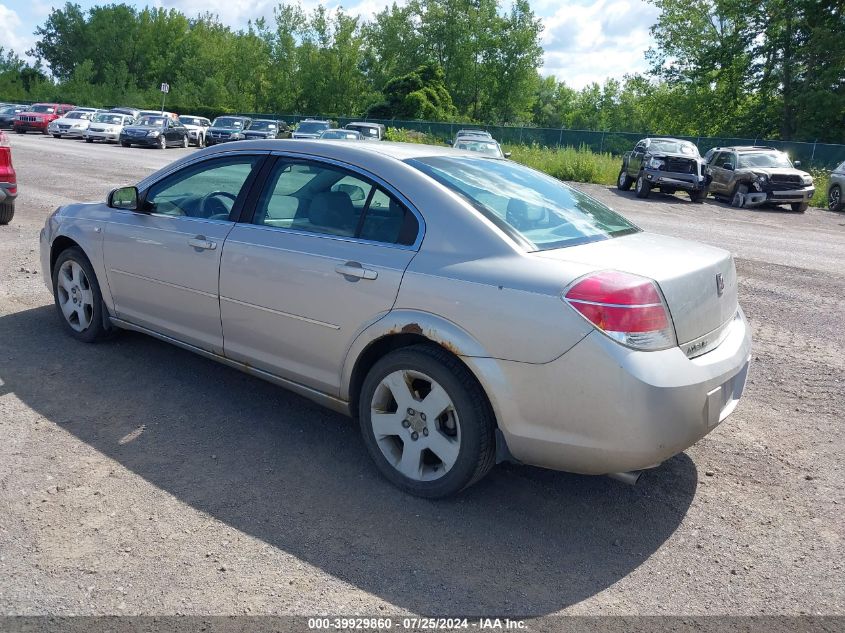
x=77 y=296
x=834 y=198
x=7 y=212
x=426 y=422
x=697 y=195
x=643 y=187
x=800 y=207
x=624 y=182
x=738 y=198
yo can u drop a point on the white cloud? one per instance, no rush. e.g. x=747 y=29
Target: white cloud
x=586 y=43
x=12 y=32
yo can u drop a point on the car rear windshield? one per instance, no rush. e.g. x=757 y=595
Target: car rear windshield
x=366 y=130
x=349 y=135
x=312 y=127
x=225 y=121
x=152 y=121
x=483 y=147
x=764 y=159
x=673 y=147
x=535 y=209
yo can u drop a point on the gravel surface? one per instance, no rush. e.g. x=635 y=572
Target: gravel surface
x=137 y=478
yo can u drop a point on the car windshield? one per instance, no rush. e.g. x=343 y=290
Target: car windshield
x=43 y=108
x=673 y=147
x=152 y=121
x=483 y=147
x=76 y=115
x=312 y=127
x=525 y=203
x=113 y=119
x=764 y=159
x=263 y=125
x=366 y=130
x=190 y=120
x=9 y=110
x=228 y=122
x=348 y=135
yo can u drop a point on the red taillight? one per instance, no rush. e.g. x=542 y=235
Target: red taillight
x=626 y=307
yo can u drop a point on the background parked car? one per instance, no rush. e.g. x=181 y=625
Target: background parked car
x=482 y=145
x=8 y=181
x=835 y=189
x=133 y=112
x=8 y=114
x=38 y=117
x=473 y=133
x=227 y=128
x=340 y=135
x=155 y=131
x=311 y=128
x=752 y=176
x=197 y=128
x=267 y=128
x=72 y=125
x=665 y=163
x=369 y=131
x=107 y=126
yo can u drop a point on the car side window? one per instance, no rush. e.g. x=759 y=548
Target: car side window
x=640 y=148
x=724 y=158
x=328 y=200
x=204 y=190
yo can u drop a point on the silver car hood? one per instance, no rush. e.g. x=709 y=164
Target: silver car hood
x=685 y=271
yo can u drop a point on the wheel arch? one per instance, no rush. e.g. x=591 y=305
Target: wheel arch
x=89 y=242
x=403 y=329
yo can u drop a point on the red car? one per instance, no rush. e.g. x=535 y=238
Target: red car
x=39 y=116
x=8 y=181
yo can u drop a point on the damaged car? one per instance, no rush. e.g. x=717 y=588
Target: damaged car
x=754 y=176
x=667 y=164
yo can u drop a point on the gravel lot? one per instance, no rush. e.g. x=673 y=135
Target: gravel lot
x=137 y=478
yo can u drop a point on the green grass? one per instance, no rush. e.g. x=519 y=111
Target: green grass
x=821 y=179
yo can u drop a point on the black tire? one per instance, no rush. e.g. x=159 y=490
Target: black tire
x=624 y=181
x=162 y=142
x=57 y=136
x=740 y=190
x=125 y=144
x=201 y=141
x=643 y=187
x=834 y=199
x=89 y=140
x=17 y=131
x=698 y=195
x=7 y=212
x=800 y=207
x=96 y=331
x=477 y=450
x=185 y=142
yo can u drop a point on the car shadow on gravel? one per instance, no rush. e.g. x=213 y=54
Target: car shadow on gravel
x=268 y=463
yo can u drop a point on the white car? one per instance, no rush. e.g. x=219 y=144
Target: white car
x=72 y=125
x=197 y=127
x=107 y=126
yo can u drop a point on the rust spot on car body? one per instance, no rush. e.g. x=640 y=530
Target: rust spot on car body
x=412 y=328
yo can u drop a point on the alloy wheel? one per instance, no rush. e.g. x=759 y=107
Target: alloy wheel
x=416 y=425
x=834 y=199
x=76 y=298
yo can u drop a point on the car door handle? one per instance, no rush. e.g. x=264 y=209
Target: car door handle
x=199 y=242
x=355 y=271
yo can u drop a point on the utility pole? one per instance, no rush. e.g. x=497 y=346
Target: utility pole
x=165 y=88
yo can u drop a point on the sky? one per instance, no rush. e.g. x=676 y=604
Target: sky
x=584 y=40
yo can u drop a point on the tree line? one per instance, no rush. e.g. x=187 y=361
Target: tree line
x=739 y=68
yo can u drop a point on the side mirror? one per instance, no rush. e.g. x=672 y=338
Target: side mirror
x=507 y=154
x=355 y=193
x=124 y=198
x=729 y=166
x=797 y=163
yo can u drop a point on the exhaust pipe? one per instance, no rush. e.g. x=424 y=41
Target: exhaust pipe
x=631 y=477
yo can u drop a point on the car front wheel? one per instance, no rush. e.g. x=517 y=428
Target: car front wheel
x=7 y=212
x=426 y=422
x=834 y=198
x=77 y=296
x=643 y=187
x=800 y=207
x=162 y=142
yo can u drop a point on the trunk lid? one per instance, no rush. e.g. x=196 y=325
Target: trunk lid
x=686 y=272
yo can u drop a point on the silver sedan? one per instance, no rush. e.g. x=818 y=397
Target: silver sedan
x=465 y=309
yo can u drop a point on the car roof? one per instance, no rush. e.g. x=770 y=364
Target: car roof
x=364 y=124
x=332 y=149
x=747 y=148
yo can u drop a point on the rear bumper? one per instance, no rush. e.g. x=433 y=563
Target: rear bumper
x=8 y=192
x=692 y=182
x=603 y=408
